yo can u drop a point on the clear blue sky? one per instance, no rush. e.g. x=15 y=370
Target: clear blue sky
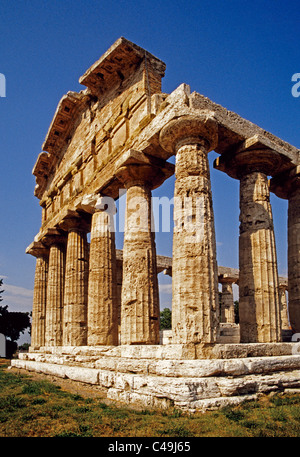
x=240 y=54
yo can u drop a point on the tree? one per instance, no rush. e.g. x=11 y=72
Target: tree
x=1 y=291
x=12 y=324
x=166 y=319
x=24 y=347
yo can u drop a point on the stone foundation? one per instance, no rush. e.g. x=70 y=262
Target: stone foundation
x=171 y=375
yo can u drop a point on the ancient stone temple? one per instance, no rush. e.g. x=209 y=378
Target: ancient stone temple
x=96 y=311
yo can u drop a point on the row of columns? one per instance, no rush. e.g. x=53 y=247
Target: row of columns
x=195 y=273
x=75 y=294
x=75 y=290
x=262 y=299
x=227 y=312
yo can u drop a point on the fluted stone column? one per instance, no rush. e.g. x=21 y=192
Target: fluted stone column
x=294 y=255
x=55 y=291
x=194 y=266
x=287 y=185
x=119 y=296
x=227 y=302
x=102 y=288
x=140 y=299
x=76 y=284
x=259 y=304
x=140 y=313
x=283 y=307
x=39 y=294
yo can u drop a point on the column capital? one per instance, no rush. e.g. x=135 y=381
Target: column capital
x=37 y=249
x=136 y=167
x=248 y=157
x=287 y=183
x=227 y=280
x=53 y=236
x=87 y=203
x=91 y=203
x=75 y=221
x=190 y=129
x=283 y=285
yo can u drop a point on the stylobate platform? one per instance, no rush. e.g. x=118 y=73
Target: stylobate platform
x=170 y=376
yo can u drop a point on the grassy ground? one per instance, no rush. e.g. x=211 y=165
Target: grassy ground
x=39 y=408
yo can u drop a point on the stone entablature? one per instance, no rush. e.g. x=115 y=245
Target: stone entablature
x=91 y=128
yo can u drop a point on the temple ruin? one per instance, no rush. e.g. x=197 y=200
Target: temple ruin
x=96 y=309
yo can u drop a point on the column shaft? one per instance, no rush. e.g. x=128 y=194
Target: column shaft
x=195 y=275
x=259 y=297
x=283 y=308
x=39 y=302
x=227 y=303
x=102 y=287
x=75 y=294
x=140 y=298
x=294 y=259
x=55 y=293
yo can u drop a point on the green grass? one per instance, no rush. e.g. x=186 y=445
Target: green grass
x=42 y=409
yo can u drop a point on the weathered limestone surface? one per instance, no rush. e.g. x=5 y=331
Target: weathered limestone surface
x=140 y=299
x=102 y=287
x=177 y=351
x=227 y=303
x=259 y=305
x=55 y=293
x=76 y=286
x=195 y=282
x=294 y=258
x=259 y=299
x=287 y=185
x=39 y=300
x=229 y=333
x=283 y=307
x=140 y=311
x=196 y=385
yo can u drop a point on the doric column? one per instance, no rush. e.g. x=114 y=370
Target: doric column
x=39 y=294
x=55 y=287
x=194 y=266
x=259 y=295
x=76 y=282
x=259 y=305
x=227 y=302
x=285 y=325
x=102 y=288
x=294 y=255
x=287 y=185
x=140 y=311
x=119 y=291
